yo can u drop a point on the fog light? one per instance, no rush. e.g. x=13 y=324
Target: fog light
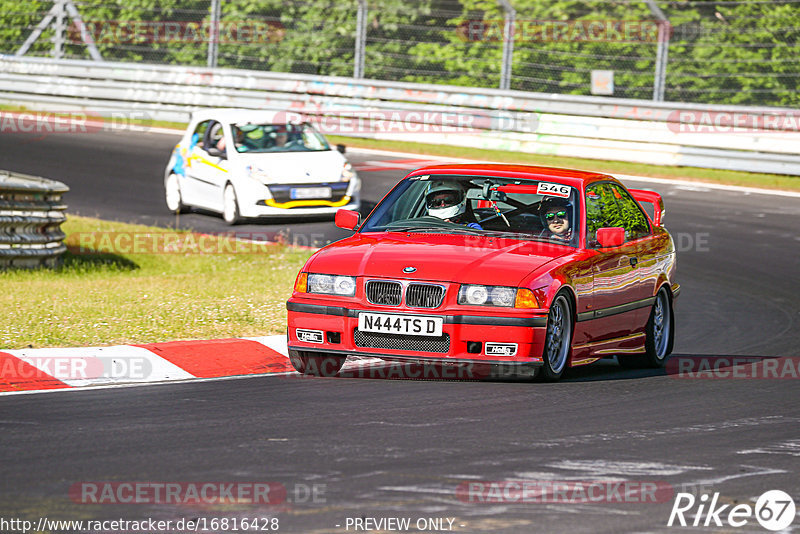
x=334 y=337
x=474 y=347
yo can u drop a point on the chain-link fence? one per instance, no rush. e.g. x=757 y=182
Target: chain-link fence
x=724 y=52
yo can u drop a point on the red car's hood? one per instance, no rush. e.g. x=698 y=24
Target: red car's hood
x=436 y=257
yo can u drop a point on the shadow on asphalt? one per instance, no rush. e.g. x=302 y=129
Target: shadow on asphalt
x=607 y=370
x=434 y=371
x=682 y=366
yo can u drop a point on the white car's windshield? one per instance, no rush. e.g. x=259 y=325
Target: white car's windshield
x=277 y=138
x=481 y=205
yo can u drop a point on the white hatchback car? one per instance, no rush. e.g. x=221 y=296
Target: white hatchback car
x=249 y=163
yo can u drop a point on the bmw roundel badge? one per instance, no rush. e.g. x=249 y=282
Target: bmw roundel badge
x=410 y=270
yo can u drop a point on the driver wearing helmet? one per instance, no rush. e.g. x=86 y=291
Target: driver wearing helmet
x=446 y=200
x=556 y=214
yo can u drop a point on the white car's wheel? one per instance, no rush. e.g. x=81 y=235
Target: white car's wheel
x=173 y=195
x=230 y=206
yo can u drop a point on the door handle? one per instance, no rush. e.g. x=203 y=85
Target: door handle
x=634 y=261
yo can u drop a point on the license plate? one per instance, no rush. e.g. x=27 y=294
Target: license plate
x=299 y=193
x=410 y=325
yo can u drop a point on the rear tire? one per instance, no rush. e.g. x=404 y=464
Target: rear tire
x=558 y=339
x=660 y=336
x=316 y=363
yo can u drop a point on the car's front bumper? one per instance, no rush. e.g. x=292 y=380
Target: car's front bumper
x=266 y=209
x=465 y=338
x=257 y=200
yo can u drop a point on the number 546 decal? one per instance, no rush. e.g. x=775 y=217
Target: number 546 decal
x=557 y=190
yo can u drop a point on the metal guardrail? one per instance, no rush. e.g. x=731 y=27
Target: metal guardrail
x=552 y=124
x=31 y=214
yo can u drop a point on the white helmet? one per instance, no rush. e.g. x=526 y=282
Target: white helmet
x=446 y=199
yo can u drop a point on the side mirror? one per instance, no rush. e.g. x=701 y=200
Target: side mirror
x=347 y=219
x=612 y=236
x=341 y=148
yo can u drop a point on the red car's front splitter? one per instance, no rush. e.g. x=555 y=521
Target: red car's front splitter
x=465 y=339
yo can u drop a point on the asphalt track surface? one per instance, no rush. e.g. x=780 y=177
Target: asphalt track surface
x=383 y=448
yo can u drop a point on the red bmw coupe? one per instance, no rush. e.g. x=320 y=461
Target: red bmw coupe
x=533 y=268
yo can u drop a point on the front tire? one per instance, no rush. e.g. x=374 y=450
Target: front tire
x=230 y=206
x=659 y=336
x=316 y=363
x=173 y=194
x=558 y=339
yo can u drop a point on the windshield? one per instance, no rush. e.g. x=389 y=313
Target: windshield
x=277 y=138
x=480 y=205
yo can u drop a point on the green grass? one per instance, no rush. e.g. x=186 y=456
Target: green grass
x=100 y=297
x=768 y=181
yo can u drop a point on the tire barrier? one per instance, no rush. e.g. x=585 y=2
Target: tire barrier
x=31 y=214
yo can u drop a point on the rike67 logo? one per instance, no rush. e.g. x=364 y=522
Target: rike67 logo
x=774 y=510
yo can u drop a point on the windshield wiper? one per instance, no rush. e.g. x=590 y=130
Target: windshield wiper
x=436 y=229
x=511 y=234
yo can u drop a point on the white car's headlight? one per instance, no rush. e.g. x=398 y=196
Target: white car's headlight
x=347 y=172
x=332 y=284
x=257 y=173
x=476 y=295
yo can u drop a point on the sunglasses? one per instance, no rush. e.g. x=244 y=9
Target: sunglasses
x=560 y=215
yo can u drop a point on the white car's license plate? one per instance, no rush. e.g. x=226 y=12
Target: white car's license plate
x=411 y=325
x=299 y=193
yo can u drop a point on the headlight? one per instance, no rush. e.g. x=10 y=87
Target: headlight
x=332 y=284
x=257 y=174
x=475 y=295
x=347 y=173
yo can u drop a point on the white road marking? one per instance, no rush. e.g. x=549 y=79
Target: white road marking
x=791 y=448
x=276 y=343
x=610 y=468
x=757 y=471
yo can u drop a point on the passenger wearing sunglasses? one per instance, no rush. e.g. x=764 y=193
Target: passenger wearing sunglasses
x=556 y=214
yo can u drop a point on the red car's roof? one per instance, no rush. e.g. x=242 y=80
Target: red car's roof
x=570 y=177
